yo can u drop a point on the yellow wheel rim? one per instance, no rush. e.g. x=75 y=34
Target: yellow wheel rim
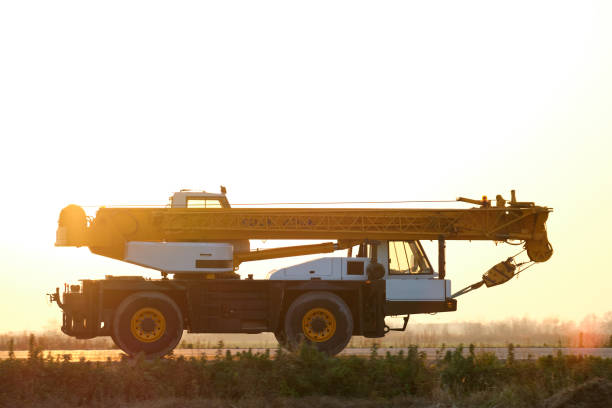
x=318 y=324
x=148 y=325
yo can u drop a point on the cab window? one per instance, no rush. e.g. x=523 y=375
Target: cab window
x=407 y=258
x=201 y=203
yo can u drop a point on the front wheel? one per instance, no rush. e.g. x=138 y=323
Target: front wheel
x=320 y=318
x=149 y=323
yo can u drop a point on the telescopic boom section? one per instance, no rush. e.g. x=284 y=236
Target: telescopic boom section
x=112 y=228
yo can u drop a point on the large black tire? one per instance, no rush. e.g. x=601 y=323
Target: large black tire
x=147 y=322
x=320 y=318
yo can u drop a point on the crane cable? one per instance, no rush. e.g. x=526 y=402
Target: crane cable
x=508 y=265
x=353 y=202
x=288 y=203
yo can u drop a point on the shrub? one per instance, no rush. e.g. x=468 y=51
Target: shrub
x=465 y=376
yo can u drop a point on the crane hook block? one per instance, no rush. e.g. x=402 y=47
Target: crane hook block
x=500 y=273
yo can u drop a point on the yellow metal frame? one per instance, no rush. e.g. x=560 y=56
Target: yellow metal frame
x=266 y=223
x=112 y=227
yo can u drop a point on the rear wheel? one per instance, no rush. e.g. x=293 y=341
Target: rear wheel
x=149 y=323
x=320 y=318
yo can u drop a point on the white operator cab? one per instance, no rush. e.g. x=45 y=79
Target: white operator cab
x=188 y=257
x=408 y=273
x=199 y=199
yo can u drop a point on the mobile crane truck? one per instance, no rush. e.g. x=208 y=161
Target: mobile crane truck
x=199 y=240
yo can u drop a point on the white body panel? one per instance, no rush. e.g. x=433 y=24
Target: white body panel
x=179 y=256
x=398 y=287
x=328 y=268
x=194 y=257
x=412 y=288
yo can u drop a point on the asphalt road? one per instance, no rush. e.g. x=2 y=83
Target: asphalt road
x=522 y=353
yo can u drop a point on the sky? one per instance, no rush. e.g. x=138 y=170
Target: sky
x=125 y=102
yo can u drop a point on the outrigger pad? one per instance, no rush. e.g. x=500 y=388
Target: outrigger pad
x=500 y=273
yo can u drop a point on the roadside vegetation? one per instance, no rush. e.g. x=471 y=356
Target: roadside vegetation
x=250 y=379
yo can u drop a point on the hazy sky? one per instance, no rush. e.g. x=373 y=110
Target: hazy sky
x=124 y=102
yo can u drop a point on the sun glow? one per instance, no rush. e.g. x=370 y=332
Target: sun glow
x=340 y=101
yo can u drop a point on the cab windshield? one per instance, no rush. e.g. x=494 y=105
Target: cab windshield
x=408 y=258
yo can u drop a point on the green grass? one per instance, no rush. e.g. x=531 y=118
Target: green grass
x=465 y=380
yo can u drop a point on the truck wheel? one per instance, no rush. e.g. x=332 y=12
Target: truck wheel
x=149 y=323
x=321 y=319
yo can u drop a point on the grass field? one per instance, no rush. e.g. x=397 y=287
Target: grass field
x=305 y=378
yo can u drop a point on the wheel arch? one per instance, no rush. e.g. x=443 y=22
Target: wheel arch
x=350 y=297
x=113 y=298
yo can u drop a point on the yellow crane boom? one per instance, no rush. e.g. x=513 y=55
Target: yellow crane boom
x=112 y=227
